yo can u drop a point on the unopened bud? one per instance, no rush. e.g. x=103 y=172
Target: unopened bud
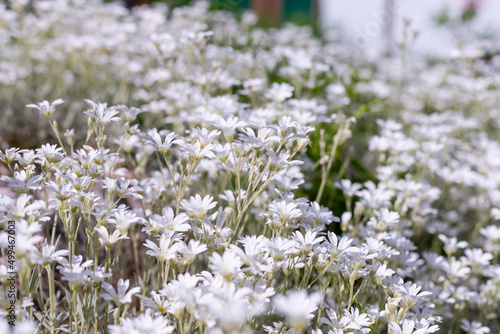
x=70 y=136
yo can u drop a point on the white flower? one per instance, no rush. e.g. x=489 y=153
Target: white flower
x=229 y=126
x=253 y=85
x=474 y=327
x=123 y=219
x=157 y=302
x=101 y=114
x=79 y=183
x=375 y=196
x=120 y=296
x=25 y=158
x=20 y=207
x=130 y=113
x=198 y=207
x=410 y=293
x=383 y=272
x=218 y=233
x=162 y=145
x=74 y=272
x=455 y=269
x=21 y=183
x=321 y=215
x=307 y=241
x=178 y=223
x=334 y=323
x=408 y=327
x=451 y=245
x=154 y=224
x=62 y=190
x=478 y=258
x=279 y=92
x=205 y=137
x=146 y=323
x=22 y=326
x=107 y=239
x=297 y=306
x=198 y=151
x=167 y=249
x=26 y=239
x=121 y=187
x=281 y=247
x=356 y=320
x=283 y=213
x=263 y=138
x=281 y=161
x=228 y=265
x=49 y=153
x=232 y=197
x=411 y=326
x=98 y=275
x=49 y=254
x=386 y=218
x=191 y=250
x=11 y=154
x=45 y=108
x=86 y=156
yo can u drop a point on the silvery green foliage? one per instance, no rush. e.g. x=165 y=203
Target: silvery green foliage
x=181 y=214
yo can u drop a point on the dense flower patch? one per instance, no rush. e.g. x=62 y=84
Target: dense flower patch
x=195 y=202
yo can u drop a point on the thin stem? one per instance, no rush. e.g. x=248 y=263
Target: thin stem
x=331 y=158
x=57 y=135
x=356 y=301
x=52 y=297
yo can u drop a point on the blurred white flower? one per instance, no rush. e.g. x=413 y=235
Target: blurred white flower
x=297 y=307
x=119 y=296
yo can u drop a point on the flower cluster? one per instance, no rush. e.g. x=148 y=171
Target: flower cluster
x=196 y=201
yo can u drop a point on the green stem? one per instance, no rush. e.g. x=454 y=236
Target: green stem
x=331 y=158
x=360 y=308
x=52 y=297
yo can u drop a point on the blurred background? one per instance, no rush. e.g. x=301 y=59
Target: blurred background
x=376 y=26
x=365 y=30
x=364 y=17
